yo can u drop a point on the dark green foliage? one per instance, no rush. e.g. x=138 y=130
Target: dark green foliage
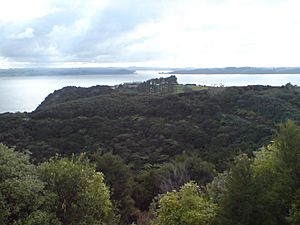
x=159 y=85
x=60 y=191
x=74 y=93
x=146 y=188
x=238 y=200
x=119 y=178
x=294 y=213
x=81 y=194
x=149 y=133
x=23 y=198
x=171 y=176
x=266 y=190
x=216 y=124
x=276 y=175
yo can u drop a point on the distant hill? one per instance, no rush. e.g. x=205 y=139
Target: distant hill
x=64 y=71
x=148 y=129
x=240 y=70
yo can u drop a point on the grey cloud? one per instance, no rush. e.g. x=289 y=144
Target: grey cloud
x=44 y=25
x=109 y=26
x=103 y=41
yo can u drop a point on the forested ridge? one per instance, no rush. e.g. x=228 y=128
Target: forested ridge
x=196 y=155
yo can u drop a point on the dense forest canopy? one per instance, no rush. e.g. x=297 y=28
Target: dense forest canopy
x=147 y=129
x=154 y=145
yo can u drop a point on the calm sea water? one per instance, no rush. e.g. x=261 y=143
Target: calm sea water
x=25 y=93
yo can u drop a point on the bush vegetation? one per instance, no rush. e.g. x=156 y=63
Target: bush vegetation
x=210 y=149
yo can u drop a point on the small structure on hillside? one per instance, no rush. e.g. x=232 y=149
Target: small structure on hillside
x=131 y=84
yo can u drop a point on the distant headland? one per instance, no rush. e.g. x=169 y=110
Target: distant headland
x=64 y=71
x=239 y=70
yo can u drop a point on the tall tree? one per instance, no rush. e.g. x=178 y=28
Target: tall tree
x=186 y=206
x=82 y=196
x=276 y=172
x=119 y=178
x=23 y=198
x=265 y=190
x=238 y=200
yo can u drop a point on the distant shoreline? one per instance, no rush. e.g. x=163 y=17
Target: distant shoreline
x=64 y=71
x=170 y=73
x=238 y=70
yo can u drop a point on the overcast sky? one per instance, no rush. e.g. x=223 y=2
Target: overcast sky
x=168 y=33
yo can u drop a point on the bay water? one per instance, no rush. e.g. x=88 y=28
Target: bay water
x=25 y=93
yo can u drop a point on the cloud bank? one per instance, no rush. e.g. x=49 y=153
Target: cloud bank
x=201 y=33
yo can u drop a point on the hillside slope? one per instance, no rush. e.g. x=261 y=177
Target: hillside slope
x=149 y=129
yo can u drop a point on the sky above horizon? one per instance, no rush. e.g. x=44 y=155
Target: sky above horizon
x=162 y=33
